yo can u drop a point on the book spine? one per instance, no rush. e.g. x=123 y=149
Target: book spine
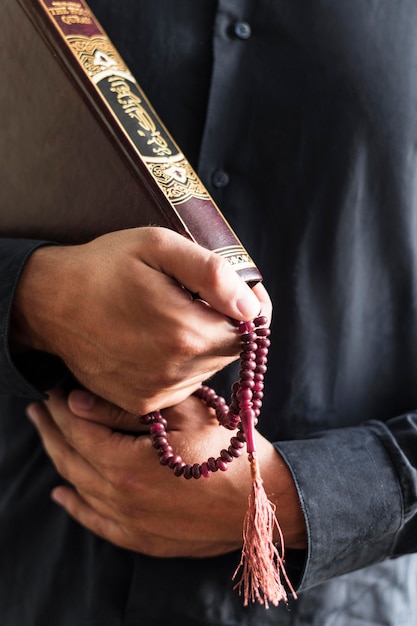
x=118 y=96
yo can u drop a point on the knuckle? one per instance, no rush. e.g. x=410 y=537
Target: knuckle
x=216 y=268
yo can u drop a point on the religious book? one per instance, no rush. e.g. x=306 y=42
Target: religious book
x=82 y=150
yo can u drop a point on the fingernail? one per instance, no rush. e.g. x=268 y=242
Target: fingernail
x=56 y=496
x=247 y=303
x=31 y=412
x=82 y=400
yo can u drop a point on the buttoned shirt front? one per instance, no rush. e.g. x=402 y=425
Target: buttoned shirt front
x=300 y=120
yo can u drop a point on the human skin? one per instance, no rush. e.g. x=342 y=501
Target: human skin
x=123 y=494
x=115 y=311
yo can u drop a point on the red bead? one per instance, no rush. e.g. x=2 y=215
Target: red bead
x=261 y=320
x=163 y=449
x=146 y=419
x=205 y=471
x=175 y=460
x=246 y=327
x=157 y=428
x=179 y=469
x=165 y=458
x=238 y=445
x=221 y=465
x=188 y=471
x=248 y=365
x=247 y=384
x=226 y=456
x=234 y=452
x=159 y=442
x=196 y=471
x=211 y=464
x=263 y=332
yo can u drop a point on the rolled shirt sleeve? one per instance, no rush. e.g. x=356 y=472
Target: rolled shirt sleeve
x=27 y=375
x=357 y=488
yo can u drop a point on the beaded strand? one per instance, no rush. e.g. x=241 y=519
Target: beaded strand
x=241 y=415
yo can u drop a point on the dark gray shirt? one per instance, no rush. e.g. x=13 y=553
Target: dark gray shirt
x=301 y=119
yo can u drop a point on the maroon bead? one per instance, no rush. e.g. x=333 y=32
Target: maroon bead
x=249 y=338
x=240 y=435
x=164 y=449
x=218 y=403
x=234 y=452
x=226 y=456
x=248 y=384
x=245 y=375
x=211 y=464
x=232 y=422
x=157 y=429
x=250 y=346
x=146 y=419
x=165 y=458
x=179 y=469
x=196 y=470
x=205 y=471
x=261 y=320
x=188 y=471
x=263 y=332
x=221 y=465
x=258 y=395
x=175 y=460
x=264 y=342
x=159 y=442
x=246 y=327
x=248 y=365
x=235 y=443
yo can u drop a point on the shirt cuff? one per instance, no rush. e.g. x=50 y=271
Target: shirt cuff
x=350 y=497
x=27 y=374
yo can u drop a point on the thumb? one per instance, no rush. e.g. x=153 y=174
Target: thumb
x=202 y=272
x=91 y=407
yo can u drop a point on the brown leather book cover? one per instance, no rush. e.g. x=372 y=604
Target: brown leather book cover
x=82 y=151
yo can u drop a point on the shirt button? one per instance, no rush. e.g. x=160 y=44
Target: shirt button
x=220 y=179
x=242 y=30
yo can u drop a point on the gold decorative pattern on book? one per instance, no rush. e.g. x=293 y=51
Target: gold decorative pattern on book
x=70 y=12
x=97 y=54
x=177 y=180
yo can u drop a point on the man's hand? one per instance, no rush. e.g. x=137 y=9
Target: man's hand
x=115 y=311
x=123 y=494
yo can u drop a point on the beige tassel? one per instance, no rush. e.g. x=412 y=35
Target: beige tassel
x=262 y=563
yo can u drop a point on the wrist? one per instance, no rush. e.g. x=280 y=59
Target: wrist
x=36 y=304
